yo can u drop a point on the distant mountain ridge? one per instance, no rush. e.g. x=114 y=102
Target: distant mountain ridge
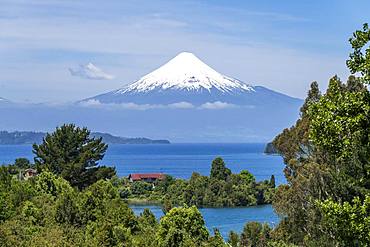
x=29 y=137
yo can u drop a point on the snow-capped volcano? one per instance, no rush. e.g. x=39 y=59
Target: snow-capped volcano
x=183 y=101
x=187 y=80
x=185 y=72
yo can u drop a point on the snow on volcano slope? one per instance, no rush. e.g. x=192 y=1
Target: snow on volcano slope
x=185 y=78
x=183 y=101
x=185 y=72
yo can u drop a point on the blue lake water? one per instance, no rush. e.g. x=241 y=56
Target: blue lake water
x=225 y=219
x=180 y=160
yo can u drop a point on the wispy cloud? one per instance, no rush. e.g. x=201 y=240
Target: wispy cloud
x=217 y=105
x=133 y=106
x=90 y=71
x=93 y=103
x=181 y=105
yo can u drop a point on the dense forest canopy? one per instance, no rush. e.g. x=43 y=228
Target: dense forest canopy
x=327 y=157
x=221 y=189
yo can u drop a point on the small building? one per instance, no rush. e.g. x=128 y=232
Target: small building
x=146 y=177
x=29 y=173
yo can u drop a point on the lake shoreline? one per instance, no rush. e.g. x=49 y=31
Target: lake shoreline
x=224 y=219
x=148 y=202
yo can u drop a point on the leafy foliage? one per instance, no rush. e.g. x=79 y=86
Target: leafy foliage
x=348 y=221
x=219 y=169
x=72 y=154
x=22 y=163
x=181 y=227
x=359 y=59
x=255 y=234
x=327 y=157
x=47 y=211
x=221 y=189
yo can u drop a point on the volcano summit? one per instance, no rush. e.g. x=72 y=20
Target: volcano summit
x=187 y=79
x=184 y=100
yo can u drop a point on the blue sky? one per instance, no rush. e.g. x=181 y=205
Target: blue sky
x=283 y=45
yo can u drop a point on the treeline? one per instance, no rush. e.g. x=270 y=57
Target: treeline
x=220 y=189
x=48 y=211
x=73 y=201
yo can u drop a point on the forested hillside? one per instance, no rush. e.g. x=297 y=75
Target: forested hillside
x=30 y=137
x=327 y=155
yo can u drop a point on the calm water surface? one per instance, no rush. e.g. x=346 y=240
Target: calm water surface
x=225 y=219
x=181 y=160
x=178 y=160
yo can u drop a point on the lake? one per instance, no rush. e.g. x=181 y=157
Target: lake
x=225 y=219
x=181 y=160
x=178 y=160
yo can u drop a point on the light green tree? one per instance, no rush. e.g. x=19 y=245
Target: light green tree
x=182 y=227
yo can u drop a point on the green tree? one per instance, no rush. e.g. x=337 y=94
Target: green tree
x=234 y=239
x=6 y=206
x=313 y=96
x=327 y=156
x=347 y=223
x=71 y=153
x=340 y=127
x=22 y=163
x=48 y=183
x=67 y=209
x=216 y=240
x=166 y=205
x=247 y=176
x=148 y=217
x=141 y=188
x=255 y=235
x=359 y=59
x=219 y=169
x=182 y=226
x=272 y=181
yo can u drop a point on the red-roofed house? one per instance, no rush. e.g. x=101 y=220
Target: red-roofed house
x=146 y=177
x=29 y=173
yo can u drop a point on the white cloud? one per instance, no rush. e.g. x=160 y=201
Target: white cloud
x=90 y=71
x=90 y=102
x=217 y=105
x=132 y=106
x=181 y=105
